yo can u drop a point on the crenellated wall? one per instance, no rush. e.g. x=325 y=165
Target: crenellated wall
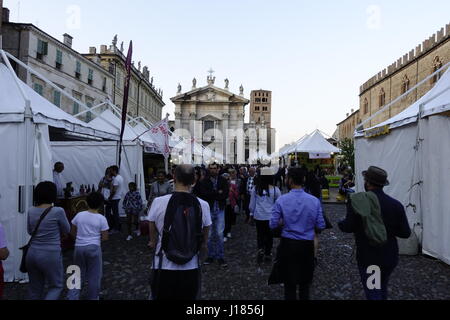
x=421 y=50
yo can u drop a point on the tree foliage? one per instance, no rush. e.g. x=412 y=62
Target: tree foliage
x=347 y=147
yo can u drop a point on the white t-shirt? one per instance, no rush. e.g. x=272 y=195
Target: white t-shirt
x=118 y=184
x=57 y=179
x=157 y=214
x=89 y=228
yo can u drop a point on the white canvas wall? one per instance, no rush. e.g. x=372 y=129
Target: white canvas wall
x=14 y=172
x=436 y=187
x=394 y=153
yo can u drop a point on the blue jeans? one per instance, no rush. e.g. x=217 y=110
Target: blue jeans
x=89 y=260
x=215 y=242
x=45 y=267
x=376 y=294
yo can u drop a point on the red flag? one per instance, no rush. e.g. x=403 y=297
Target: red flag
x=125 y=96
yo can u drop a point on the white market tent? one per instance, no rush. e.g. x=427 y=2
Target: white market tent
x=26 y=151
x=416 y=153
x=315 y=144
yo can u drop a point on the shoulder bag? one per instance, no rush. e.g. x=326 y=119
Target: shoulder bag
x=23 y=263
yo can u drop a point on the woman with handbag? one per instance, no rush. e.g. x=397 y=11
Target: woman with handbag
x=43 y=259
x=262 y=200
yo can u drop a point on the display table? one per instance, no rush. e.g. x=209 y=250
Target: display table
x=71 y=206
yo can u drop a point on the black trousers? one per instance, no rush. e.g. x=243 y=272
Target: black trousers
x=264 y=236
x=112 y=214
x=230 y=219
x=297 y=259
x=246 y=206
x=176 y=285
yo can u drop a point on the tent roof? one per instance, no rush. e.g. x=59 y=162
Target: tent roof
x=12 y=108
x=316 y=143
x=108 y=121
x=435 y=101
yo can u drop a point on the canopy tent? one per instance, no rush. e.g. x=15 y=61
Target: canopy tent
x=316 y=144
x=415 y=153
x=26 y=152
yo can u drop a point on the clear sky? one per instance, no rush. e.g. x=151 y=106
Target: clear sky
x=313 y=55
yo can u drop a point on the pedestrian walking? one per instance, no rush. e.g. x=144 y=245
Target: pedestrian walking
x=179 y=227
x=214 y=190
x=263 y=198
x=132 y=204
x=299 y=215
x=376 y=220
x=89 y=228
x=44 y=258
x=159 y=188
x=246 y=191
x=231 y=204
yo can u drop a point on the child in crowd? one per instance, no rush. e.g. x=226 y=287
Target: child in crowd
x=132 y=204
x=89 y=228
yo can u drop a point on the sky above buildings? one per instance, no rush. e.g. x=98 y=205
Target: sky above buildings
x=313 y=55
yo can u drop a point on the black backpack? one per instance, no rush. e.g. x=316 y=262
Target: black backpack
x=182 y=234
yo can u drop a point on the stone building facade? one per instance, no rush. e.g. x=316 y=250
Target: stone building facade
x=144 y=98
x=398 y=78
x=81 y=78
x=214 y=117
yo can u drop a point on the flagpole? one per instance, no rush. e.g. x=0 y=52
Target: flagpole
x=125 y=98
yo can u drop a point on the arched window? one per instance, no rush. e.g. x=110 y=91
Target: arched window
x=366 y=106
x=382 y=98
x=405 y=84
x=437 y=64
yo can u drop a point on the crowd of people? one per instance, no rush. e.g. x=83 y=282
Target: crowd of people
x=190 y=215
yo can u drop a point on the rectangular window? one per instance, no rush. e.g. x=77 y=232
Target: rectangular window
x=76 y=108
x=257 y=109
x=78 y=70
x=104 y=85
x=208 y=125
x=42 y=49
x=58 y=59
x=264 y=108
x=38 y=88
x=91 y=76
x=57 y=98
x=89 y=114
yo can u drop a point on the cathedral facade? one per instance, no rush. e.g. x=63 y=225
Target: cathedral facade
x=213 y=117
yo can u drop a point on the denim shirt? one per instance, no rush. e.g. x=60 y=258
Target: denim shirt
x=301 y=214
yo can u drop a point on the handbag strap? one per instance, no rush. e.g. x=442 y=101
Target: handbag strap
x=43 y=215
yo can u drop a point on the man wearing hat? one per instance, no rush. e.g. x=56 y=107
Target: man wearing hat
x=377 y=220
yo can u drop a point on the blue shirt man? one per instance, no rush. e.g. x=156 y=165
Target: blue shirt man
x=301 y=214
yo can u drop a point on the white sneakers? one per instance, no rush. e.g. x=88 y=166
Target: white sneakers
x=225 y=239
x=138 y=233
x=129 y=238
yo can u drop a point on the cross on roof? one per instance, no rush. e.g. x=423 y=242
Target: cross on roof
x=211 y=71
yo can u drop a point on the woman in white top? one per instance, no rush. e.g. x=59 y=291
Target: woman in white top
x=89 y=228
x=263 y=197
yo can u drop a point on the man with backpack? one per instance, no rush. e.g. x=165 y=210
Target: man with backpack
x=179 y=227
x=377 y=220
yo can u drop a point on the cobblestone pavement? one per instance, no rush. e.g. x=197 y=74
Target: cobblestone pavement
x=127 y=265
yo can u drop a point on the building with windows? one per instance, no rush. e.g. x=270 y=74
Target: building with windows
x=398 y=79
x=83 y=79
x=144 y=99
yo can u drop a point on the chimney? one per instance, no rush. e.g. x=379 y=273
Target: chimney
x=103 y=49
x=92 y=50
x=68 y=40
x=5 y=15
